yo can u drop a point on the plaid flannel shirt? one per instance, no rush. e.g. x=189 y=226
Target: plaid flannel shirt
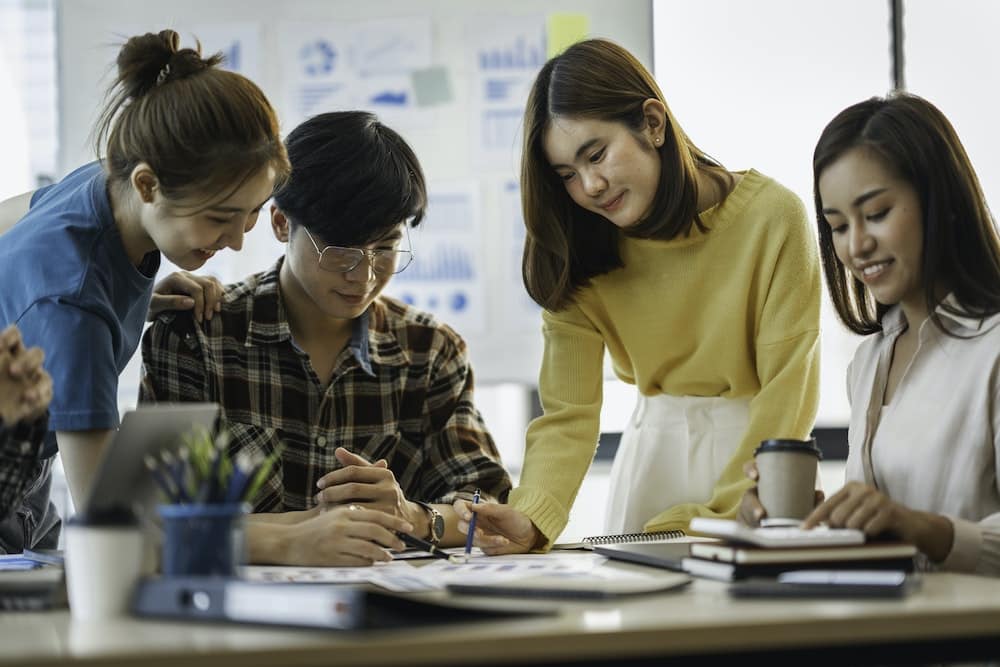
x=20 y=466
x=401 y=390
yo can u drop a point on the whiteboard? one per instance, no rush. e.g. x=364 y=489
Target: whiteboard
x=468 y=60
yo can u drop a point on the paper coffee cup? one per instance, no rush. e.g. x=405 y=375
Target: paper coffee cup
x=786 y=482
x=103 y=563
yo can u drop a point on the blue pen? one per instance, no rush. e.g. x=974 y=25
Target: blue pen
x=472 y=527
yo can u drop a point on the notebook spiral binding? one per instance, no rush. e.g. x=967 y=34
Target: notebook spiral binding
x=635 y=537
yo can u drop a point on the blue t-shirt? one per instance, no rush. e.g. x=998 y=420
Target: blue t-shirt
x=71 y=289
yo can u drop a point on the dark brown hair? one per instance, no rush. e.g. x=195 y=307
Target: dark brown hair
x=565 y=246
x=202 y=130
x=961 y=248
x=353 y=179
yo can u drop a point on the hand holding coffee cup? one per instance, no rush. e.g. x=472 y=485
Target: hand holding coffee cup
x=786 y=477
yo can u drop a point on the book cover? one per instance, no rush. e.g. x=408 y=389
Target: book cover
x=723 y=571
x=735 y=553
x=735 y=531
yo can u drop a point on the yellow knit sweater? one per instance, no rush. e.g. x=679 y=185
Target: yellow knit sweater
x=733 y=312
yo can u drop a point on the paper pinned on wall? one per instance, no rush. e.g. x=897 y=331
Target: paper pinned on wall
x=330 y=66
x=562 y=30
x=505 y=56
x=520 y=313
x=239 y=43
x=447 y=275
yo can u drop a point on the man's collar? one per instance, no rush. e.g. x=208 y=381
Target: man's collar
x=373 y=339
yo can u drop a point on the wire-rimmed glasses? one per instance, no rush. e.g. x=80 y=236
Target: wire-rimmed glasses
x=338 y=259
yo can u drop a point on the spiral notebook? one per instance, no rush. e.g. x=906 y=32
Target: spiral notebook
x=627 y=538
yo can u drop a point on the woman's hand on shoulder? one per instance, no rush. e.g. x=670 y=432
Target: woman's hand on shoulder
x=187 y=291
x=500 y=529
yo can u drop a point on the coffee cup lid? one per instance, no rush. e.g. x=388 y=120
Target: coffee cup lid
x=116 y=515
x=786 y=445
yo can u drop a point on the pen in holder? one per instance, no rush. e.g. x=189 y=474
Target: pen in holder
x=207 y=494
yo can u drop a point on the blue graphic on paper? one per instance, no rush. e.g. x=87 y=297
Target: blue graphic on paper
x=233 y=60
x=519 y=55
x=444 y=262
x=391 y=97
x=499 y=90
x=459 y=301
x=318 y=58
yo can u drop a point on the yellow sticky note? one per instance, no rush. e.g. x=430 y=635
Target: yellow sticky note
x=564 y=30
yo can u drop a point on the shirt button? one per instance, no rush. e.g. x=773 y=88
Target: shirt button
x=321 y=441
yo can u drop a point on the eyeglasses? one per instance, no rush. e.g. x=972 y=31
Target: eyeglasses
x=338 y=259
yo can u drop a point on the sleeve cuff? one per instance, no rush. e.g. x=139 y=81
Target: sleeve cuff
x=965 y=547
x=548 y=515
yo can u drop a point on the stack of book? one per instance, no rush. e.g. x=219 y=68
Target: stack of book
x=745 y=552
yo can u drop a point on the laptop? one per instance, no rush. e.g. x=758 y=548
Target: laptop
x=122 y=480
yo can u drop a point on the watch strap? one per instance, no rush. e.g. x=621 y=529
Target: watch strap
x=435 y=522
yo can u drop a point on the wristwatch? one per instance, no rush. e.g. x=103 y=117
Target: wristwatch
x=436 y=525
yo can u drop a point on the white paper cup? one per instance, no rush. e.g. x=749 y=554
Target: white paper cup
x=786 y=482
x=103 y=563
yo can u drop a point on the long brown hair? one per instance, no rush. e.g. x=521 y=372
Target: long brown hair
x=961 y=248
x=565 y=246
x=202 y=130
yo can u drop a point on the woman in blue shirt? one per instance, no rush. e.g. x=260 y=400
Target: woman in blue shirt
x=192 y=153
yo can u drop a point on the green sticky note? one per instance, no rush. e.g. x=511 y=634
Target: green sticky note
x=564 y=30
x=431 y=86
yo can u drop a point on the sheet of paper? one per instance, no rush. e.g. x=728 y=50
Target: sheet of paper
x=400 y=576
x=506 y=55
x=354 y=65
x=328 y=575
x=486 y=569
x=14 y=562
x=447 y=275
x=564 y=30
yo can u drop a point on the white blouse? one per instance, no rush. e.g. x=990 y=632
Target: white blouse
x=935 y=446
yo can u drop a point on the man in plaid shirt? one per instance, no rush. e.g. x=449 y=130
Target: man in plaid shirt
x=371 y=399
x=25 y=391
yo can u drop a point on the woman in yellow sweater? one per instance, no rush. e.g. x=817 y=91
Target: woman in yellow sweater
x=703 y=285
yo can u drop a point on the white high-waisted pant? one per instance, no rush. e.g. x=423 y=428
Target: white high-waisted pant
x=672 y=451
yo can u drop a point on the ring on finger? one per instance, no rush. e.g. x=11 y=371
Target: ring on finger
x=353 y=507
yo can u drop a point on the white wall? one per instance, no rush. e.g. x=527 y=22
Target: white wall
x=754 y=83
x=952 y=60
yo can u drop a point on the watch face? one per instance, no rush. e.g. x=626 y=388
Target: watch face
x=437 y=526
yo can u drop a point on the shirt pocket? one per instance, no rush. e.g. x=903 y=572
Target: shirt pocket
x=259 y=443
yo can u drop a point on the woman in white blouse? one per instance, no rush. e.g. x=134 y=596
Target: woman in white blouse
x=912 y=258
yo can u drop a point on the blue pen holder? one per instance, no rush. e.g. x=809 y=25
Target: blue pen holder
x=203 y=539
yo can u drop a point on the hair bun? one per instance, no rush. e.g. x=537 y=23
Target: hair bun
x=149 y=60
